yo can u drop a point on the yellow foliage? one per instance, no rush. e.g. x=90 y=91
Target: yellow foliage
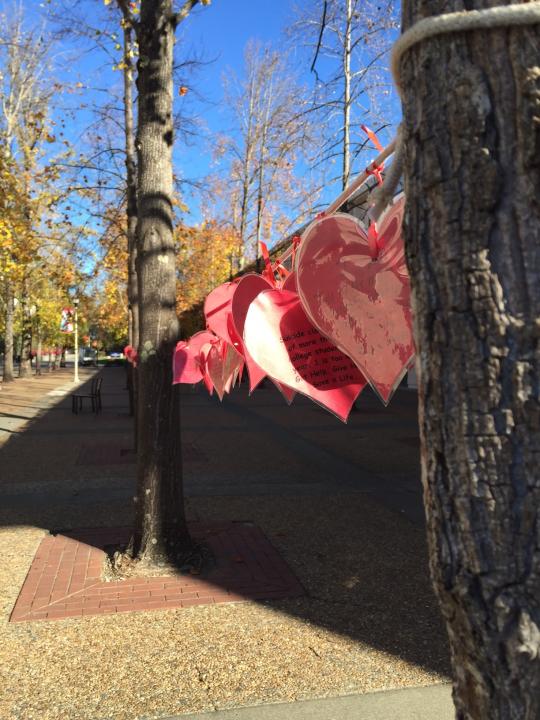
x=207 y=256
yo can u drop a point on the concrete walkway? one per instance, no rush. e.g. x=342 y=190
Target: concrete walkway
x=426 y=703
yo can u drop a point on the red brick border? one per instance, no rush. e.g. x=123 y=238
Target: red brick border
x=64 y=578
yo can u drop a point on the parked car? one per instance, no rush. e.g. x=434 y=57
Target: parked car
x=88 y=356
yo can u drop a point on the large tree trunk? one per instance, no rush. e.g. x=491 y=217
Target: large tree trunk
x=161 y=533
x=472 y=180
x=8 y=374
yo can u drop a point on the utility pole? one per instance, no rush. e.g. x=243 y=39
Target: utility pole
x=76 y=331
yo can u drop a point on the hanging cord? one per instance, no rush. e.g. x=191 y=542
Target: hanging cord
x=463 y=21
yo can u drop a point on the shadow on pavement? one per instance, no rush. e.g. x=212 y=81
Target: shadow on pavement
x=342 y=503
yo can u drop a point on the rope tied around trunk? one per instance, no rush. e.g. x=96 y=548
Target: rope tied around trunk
x=462 y=21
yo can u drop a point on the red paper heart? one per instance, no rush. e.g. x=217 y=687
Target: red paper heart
x=360 y=303
x=280 y=338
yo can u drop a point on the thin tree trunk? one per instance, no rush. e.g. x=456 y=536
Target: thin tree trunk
x=260 y=200
x=472 y=181
x=347 y=96
x=25 y=367
x=9 y=374
x=246 y=174
x=131 y=212
x=39 y=350
x=161 y=532
x=261 y=169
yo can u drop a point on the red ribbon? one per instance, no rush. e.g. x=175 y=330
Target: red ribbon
x=373 y=240
x=374 y=139
x=295 y=243
x=268 y=272
x=376 y=171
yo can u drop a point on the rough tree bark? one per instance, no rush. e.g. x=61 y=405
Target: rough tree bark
x=8 y=374
x=472 y=180
x=161 y=533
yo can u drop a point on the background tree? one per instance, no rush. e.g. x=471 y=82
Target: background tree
x=160 y=533
x=257 y=187
x=472 y=180
x=350 y=42
x=109 y=312
x=206 y=255
x=26 y=132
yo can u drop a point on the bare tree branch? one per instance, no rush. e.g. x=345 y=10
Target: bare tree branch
x=319 y=41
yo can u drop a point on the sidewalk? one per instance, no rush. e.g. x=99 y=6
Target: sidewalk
x=428 y=703
x=342 y=505
x=25 y=398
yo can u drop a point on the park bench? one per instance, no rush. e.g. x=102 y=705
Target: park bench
x=94 y=395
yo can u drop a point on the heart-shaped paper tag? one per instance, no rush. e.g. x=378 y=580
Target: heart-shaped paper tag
x=187 y=367
x=358 y=298
x=217 y=310
x=246 y=291
x=222 y=364
x=280 y=338
x=132 y=356
x=290 y=283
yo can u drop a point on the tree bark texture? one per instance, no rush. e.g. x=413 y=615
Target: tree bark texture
x=161 y=533
x=8 y=374
x=472 y=181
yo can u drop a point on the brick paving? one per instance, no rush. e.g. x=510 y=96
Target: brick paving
x=64 y=579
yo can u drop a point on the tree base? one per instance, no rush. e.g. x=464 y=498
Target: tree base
x=121 y=563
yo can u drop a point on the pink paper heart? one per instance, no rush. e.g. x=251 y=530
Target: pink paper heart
x=217 y=311
x=232 y=364
x=220 y=365
x=360 y=303
x=281 y=339
x=132 y=356
x=214 y=364
x=290 y=283
x=186 y=364
x=246 y=291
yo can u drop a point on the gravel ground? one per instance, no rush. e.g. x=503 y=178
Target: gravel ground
x=368 y=622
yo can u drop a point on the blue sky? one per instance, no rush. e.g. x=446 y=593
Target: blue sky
x=217 y=32
x=220 y=31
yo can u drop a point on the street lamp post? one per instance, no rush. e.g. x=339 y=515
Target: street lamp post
x=76 y=336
